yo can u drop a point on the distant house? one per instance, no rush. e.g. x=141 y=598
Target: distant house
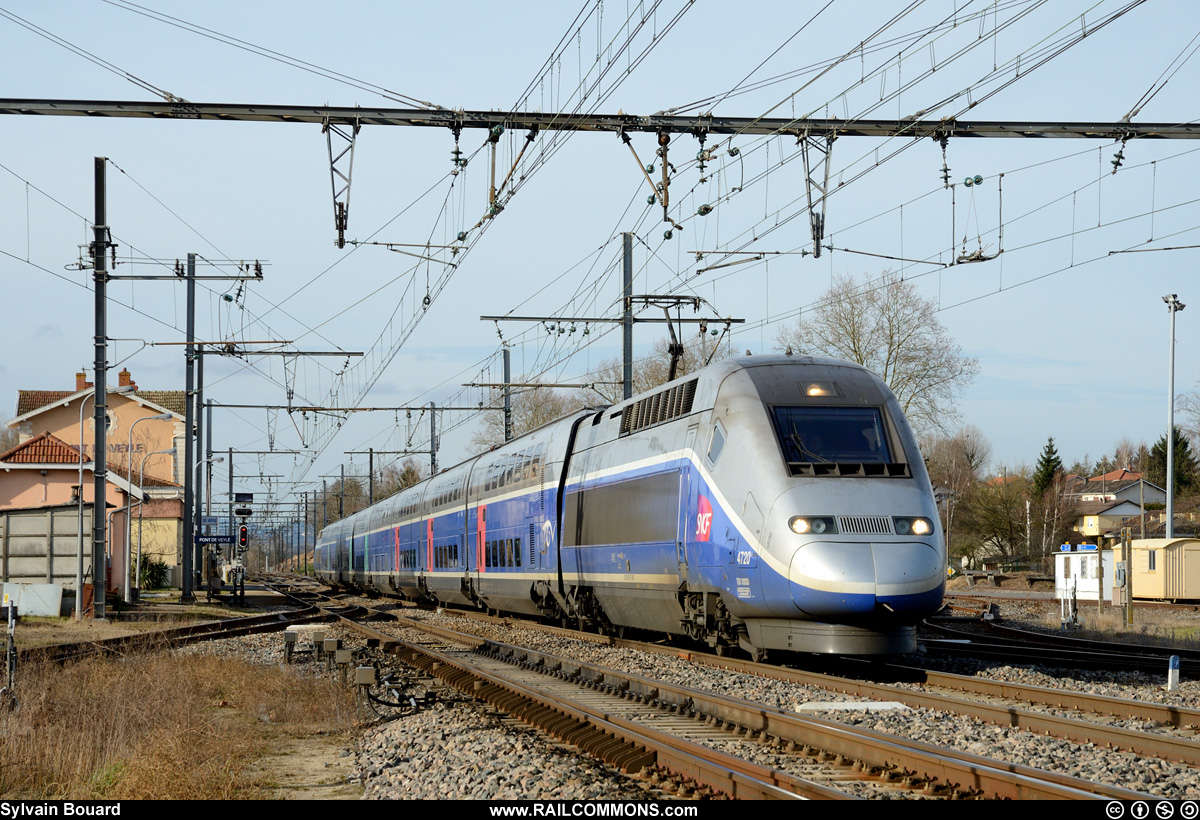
x=1108 y=502
x=144 y=464
x=1094 y=519
x=1121 y=485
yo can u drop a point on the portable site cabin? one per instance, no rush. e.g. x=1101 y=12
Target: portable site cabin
x=1084 y=573
x=1166 y=569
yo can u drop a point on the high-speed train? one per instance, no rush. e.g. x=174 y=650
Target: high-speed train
x=766 y=502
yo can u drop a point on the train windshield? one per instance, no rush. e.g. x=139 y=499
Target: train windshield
x=832 y=435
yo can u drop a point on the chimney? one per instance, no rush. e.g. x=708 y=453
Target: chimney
x=81 y=382
x=125 y=379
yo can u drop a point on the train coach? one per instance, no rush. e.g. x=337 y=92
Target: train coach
x=761 y=503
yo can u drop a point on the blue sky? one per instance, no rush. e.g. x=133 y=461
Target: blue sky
x=1072 y=341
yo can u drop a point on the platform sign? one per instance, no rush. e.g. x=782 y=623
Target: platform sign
x=210 y=521
x=206 y=540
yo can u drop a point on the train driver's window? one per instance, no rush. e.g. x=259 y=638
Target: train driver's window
x=716 y=443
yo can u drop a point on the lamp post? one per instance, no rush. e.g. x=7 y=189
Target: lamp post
x=1173 y=307
x=129 y=506
x=137 y=564
x=124 y=388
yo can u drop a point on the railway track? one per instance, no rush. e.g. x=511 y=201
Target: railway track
x=636 y=722
x=677 y=727
x=992 y=641
x=177 y=636
x=1070 y=715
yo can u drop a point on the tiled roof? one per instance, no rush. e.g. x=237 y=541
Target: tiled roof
x=147 y=481
x=1095 y=487
x=30 y=400
x=1117 y=475
x=43 y=449
x=1098 y=507
x=166 y=399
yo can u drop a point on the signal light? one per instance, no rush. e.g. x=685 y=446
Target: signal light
x=243 y=535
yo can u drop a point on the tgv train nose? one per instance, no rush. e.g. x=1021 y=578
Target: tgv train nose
x=835 y=579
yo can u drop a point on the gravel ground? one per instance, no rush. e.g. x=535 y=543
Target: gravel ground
x=477 y=755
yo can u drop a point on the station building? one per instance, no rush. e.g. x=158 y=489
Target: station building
x=41 y=494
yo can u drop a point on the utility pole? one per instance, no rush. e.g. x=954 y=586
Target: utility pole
x=508 y=426
x=189 y=532
x=100 y=248
x=432 y=439
x=192 y=440
x=198 y=489
x=1173 y=306
x=626 y=321
x=627 y=314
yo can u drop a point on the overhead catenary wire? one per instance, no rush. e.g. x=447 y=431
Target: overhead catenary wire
x=672 y=272
x=294 y=62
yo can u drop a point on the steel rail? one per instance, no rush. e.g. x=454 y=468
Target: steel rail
x=179 y=636
x=877 y=750
x=1075 y=729
x=613 y=123
x=1166 y=714
x=962 y=643
x=1083 y=731
x=1030 y=636
x=616 y=740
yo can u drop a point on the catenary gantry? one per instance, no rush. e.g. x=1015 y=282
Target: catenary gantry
x=616 y=123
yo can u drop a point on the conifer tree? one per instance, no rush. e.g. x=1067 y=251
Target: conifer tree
x=1048 y=464
x=1187 y=472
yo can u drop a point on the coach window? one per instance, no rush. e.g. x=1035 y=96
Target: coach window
x=716 y=443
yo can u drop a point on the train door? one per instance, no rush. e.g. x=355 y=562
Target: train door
x=687 y=496
x=478 y=547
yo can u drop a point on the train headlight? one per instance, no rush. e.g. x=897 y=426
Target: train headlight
x=913 y=526
x=816 y=525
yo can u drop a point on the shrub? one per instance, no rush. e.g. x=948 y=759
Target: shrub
x=155 y=573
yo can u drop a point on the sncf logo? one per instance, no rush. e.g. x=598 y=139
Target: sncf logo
x=704 y=518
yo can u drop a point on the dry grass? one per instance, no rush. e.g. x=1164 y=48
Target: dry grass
x=155 y=726
x=1161 y=628
x=35 y=631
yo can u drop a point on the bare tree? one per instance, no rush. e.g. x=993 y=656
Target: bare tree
x=889 y=328
x=1125 y=455
x=956 y=464
x=1189 y=405
x=8 y=437
x=531 y=408
x=998 y=515
x=393 y=479
x=1055 y=513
